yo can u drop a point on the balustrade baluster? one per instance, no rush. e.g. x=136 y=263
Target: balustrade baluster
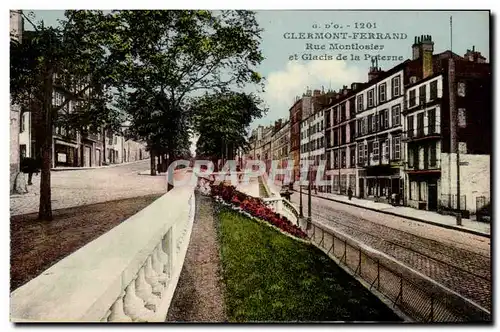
x=134 y=306
x=145 y=291
x=117 y=311
x=159 y=265
x=152 y=277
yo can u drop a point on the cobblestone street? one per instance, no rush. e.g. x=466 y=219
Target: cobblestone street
x=457 y=260
x=89 y=186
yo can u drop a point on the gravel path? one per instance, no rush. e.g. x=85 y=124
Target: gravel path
x=199 y=294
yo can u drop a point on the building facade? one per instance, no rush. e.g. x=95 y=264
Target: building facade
x=281 y=145
x=340 y=134
x=312 y=140
x=448 y=111
x=378 y=139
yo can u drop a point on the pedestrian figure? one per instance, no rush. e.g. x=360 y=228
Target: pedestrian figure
x=394 y=197
x=30 y=166
x=349 y=193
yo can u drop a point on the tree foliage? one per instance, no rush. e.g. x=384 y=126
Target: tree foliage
x=222 y=120
x=172 y=55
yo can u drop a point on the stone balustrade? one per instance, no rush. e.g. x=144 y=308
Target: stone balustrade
x=284 y=207
x=128 y=274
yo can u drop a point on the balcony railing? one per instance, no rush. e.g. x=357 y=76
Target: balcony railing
x=422 y=132
x=423 y=165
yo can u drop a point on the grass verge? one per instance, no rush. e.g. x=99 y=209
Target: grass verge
x=272 y=278
x=37 y=245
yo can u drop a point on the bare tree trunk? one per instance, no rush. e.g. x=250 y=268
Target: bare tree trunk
x=45 y=207
x=170 y=174
x=152 y=161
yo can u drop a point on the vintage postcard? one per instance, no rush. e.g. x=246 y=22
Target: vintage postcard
x=250 y=166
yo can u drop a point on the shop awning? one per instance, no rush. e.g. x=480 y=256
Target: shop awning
x=73 y=145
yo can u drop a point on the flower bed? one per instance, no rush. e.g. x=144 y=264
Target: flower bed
x=255 y=207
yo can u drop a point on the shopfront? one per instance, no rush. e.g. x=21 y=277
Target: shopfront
x=65 y=154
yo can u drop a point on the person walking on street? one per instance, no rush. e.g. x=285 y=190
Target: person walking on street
x=349 y=193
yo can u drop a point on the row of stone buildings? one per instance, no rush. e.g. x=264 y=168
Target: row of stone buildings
x=399 y=132
x=69 y=147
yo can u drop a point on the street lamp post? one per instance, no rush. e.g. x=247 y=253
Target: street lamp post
x=300 y=190
x=309 y=197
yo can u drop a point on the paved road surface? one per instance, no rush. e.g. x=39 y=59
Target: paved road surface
x=82 y=187
x=457 y=260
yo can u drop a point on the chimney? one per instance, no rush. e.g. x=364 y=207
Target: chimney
x=374 y=71
x=474 y=56
x=317 y=92
x=416 y=48
x=427 y=49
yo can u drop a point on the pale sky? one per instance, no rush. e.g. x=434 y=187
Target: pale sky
x=286 y=79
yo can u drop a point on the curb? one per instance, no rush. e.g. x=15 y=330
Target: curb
x=62 y=169
x=465 y=230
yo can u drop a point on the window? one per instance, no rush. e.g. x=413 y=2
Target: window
x=386 y=149
x=422 y=94
x=336 y=159
x=386 y=118
x=412 y=101
x=366 y=151
x=352 y=108
x=461 y=89
x=382 y=93
x=396 y=143
x=328 y=160
x=432 y=160
x=370 y=97
x=462 y=118
x=375 y=150
x=343 y=158
x=360 y=103
x=352 y=152
x=371 y=128
x=360 y=153
x=409 y=126
x=396 y=115
x=22 y=123
x=420 y=124
x=342 y=112
x=431 y=119
x=396 y=86
x=376 y=122
x=335 y=116
x=434 y=90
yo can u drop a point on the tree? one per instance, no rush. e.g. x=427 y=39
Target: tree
x=222 y=120
x=72 y=61
x=172 y=55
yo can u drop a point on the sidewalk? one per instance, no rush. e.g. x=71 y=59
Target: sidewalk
x=433 y=218
x=60 y=169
